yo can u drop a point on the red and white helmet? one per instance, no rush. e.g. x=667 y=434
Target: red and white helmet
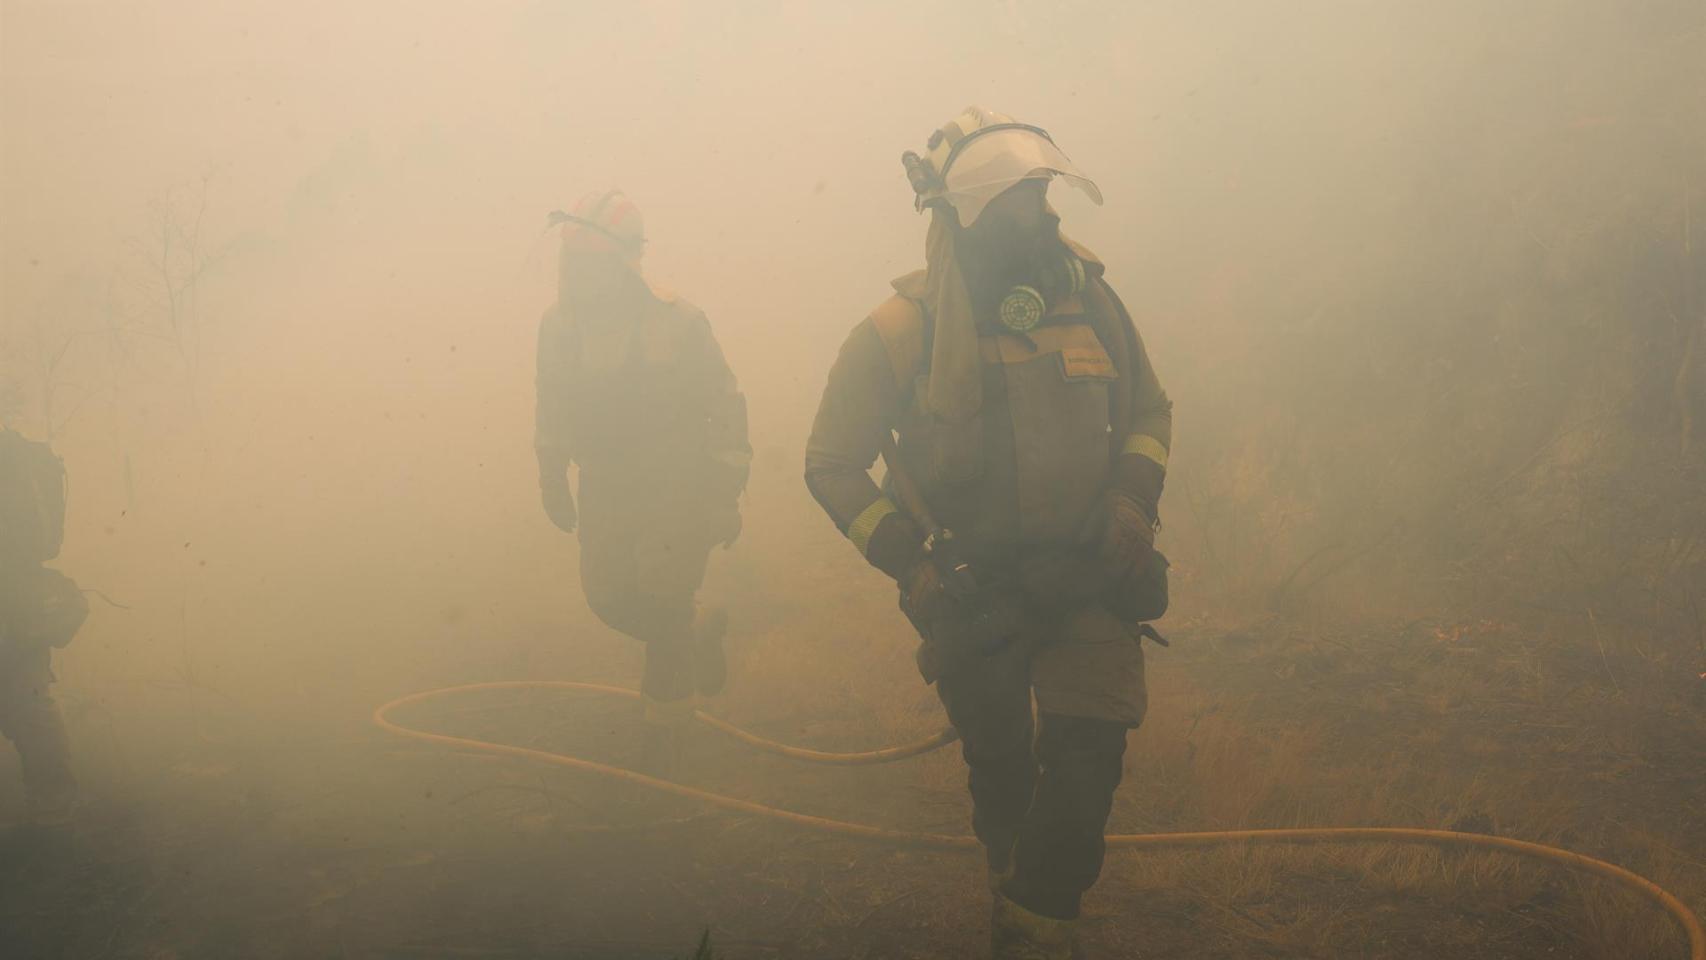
x=605 y=221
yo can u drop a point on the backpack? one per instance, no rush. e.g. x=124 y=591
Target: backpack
x=32 y=498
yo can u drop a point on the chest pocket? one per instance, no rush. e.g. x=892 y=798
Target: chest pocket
x=1057 y=388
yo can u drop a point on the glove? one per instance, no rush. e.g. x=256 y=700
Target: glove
x=53 y=616
x=1128 y=536
x=726 y=528
x=559 y=503
x=978 y=624
x=922 y=593
x=1142 y=594
x=63 y=611
x=720 y=491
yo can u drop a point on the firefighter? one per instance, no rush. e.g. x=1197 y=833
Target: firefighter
x=1019 y=509
x=633 y=391
x=41 y=609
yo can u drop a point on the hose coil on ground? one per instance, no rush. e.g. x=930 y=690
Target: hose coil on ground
x=1678 y=911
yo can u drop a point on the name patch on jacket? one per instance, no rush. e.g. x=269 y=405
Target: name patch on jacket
x=1091 y=362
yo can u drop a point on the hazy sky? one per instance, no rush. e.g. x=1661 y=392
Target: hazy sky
x=377 y=177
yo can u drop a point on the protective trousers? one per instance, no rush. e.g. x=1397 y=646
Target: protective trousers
x=30 y=718
x=641 y=572
x=1041 y=792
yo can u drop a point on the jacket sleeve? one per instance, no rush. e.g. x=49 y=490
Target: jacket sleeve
x=861 y=402
x=553 y=439
x=726 y=440
x=1141 y=468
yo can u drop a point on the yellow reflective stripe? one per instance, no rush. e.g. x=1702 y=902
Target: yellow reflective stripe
x=1146 y=446
x=865 y=524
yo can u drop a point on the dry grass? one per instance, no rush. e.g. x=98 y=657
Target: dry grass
x=1481 y=726
x=1473 y=724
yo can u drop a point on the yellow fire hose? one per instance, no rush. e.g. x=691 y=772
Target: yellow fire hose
x=1152 y=841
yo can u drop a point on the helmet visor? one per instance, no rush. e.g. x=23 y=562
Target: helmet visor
x=990 y=161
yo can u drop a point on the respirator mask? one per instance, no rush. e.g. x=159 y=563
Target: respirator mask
x=976 y=158
x=1056 y=275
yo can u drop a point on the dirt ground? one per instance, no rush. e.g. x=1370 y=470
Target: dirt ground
x=341 y=841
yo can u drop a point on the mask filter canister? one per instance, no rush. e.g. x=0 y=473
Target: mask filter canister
x=1022 y=309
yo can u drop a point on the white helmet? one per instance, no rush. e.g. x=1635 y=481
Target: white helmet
x=976 y=156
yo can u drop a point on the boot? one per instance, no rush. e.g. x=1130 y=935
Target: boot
x=38 y=731
x=710 y=667
x=52 y=811
x=661 y=751
x=1018 y=934
x=1000 y=867
x=52 y=808
x=665 y=740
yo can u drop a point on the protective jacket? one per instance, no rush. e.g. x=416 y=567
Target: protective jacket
x=644 y=404
x=1068 y=410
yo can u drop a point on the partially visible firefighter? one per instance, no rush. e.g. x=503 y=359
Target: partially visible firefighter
x=633 y=391
x=41 y=609
x=1019 y=509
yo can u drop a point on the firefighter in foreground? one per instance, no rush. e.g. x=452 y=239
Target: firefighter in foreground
x=1019 y=508
x=40 y=609
x=633 y=390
